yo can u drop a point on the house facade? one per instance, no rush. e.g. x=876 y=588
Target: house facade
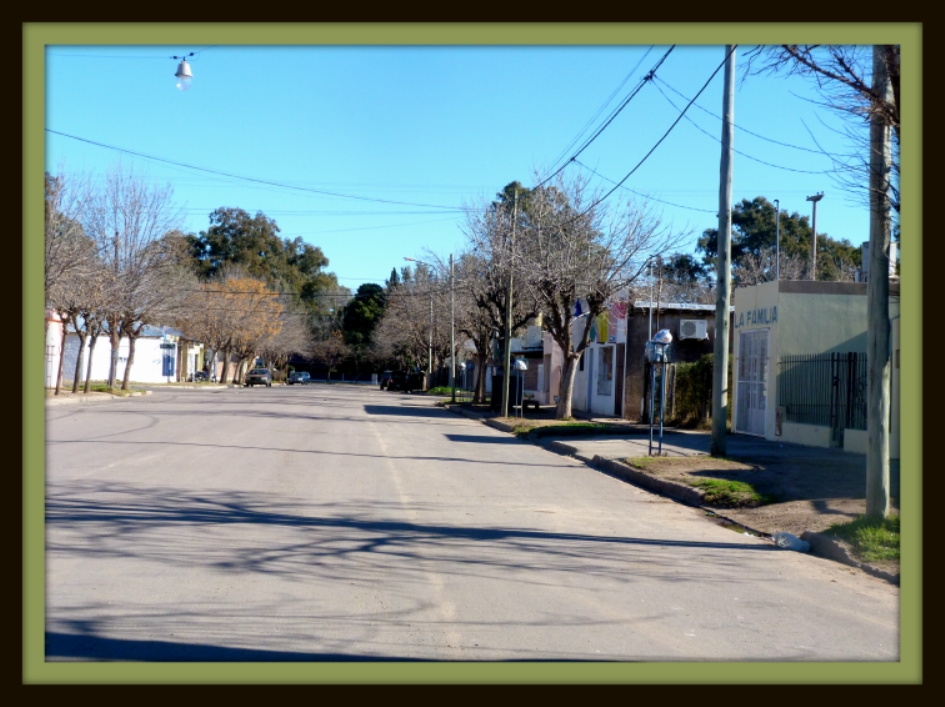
x=799 y=363
x=612 y=376
x=162 y=355
x=693 y=329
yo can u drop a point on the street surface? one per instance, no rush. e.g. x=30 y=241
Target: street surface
x=342 y=523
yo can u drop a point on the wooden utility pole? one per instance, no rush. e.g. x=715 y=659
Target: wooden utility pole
x=507 y=363
x=723 y=267
x=878 y=336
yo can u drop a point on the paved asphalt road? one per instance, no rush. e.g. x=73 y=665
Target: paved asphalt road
x=343 y=523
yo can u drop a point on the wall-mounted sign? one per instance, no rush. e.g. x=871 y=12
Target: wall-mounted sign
x=758 y=317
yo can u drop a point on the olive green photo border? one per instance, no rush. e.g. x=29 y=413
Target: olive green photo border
x=37 y=36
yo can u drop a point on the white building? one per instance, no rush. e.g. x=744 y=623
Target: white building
x=162 y=355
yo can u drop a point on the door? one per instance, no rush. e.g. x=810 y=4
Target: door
x=751 y=384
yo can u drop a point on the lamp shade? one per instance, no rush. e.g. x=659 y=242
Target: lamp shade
x=183 y=75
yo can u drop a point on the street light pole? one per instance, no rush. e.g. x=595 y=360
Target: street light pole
x=452 y=329
x=813 y=238
x=430 y=344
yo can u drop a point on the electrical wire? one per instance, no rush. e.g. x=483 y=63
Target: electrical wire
x=255 y=180
x=660 y=141
x=746 y=155
x=587 y=143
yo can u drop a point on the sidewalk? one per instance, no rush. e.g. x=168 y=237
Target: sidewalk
x=806 y=517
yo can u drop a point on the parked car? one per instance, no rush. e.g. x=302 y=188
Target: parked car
x=406 y=381
x=259 y=376
x=300 y=377
x=385 y=379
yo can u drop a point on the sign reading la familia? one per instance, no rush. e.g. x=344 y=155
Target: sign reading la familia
x=757 y=317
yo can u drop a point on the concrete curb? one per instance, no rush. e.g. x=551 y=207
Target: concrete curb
x=835 y=549
x=83 y=399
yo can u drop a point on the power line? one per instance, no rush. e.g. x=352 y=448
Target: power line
x=664 y=136
x=746 y=155
x=254 y=179
x=738 y=127
x=600 y=110
x=610 y=118
x=646 y=196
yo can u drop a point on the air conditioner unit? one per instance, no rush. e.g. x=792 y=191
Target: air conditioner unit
x=693 y=329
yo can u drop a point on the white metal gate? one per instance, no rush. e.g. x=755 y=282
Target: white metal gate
x=751 y=386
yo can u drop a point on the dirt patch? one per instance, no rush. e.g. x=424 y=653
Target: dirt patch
x=808 y=496
x=805 y=496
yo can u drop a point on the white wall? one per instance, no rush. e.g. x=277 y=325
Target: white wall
x=53 y=348
x=147 y=367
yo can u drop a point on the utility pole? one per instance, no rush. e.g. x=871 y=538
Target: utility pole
x=813 y=238
x=777 y=239
x=723 y=270
x=878 y=337
x=430 y=345
x=507 y=364
x=452 y=336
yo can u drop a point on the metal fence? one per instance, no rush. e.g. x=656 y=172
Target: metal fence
x=824 y=389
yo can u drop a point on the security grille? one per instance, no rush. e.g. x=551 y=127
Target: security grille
x=752 y=389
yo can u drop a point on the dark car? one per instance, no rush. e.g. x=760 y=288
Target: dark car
x=300 y=377
x=406 y=381
x=259 y=376
x=385 y=379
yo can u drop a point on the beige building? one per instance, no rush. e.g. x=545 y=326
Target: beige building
x=799 y=363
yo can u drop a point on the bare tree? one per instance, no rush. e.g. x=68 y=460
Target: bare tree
x=293 y=337
x=70 y=259
x=864 y=82
x=496 y=307
x=330 y=351
x=404 y=332
x=756 y=268
x=573 y=250
x=843 y=75
x=127 y=218
x=479 y=293
x=68 y=250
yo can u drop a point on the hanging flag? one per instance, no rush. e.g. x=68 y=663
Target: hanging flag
x=602 y=327
x=577 y=309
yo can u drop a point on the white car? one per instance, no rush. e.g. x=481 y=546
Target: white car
x=259 y=376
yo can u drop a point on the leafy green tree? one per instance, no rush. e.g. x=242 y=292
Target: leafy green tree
x=362 y=314
x=253 y=243
x=754 y=246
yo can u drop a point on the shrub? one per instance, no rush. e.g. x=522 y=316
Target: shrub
x=693 y=401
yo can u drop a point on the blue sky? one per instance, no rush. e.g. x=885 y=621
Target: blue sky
x=370 y=152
